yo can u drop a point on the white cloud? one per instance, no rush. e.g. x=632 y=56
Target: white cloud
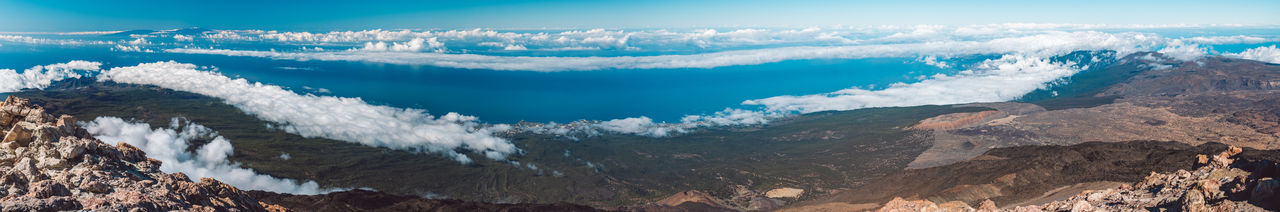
x=645 y=126
x=231 y=35
x=339 y=118
x=45 y=41
x=1002 y=79
x=515 y=48
x=415 y=45
x=124 y=48
x=668 y=39
x=572 y=39
x=67 y=33
x=139 y=41
x=637 y=125
x=169 y=145
x=933 y=61
x=1048 y=44
x=1269 y=54
x=185 y=38
x=39 y=77
x=1237 y=39
x=1183 y=51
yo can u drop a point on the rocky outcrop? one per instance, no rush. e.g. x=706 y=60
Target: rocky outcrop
x=1029 y=174
x=49 y=164
x=902 y=205
x=1221 y=183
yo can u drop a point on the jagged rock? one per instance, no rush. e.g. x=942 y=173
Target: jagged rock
x=36 y=204
x=1193 y=200
x=1220 y=184
x=19 y=134
x=902 y=205
x=1082 y=206
x=95 y=187
x=988 y=205
x=130 y=153
x=49 y=164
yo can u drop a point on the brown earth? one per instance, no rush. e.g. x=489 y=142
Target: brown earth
x=1227 y=181
x=1019 y=174
x=1211 y=100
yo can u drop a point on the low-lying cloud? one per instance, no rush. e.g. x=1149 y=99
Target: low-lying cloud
x=40 y=77
x=339 y=118
x=1003 y=79
x=169 y=145
x=47 y=41
x=1042 y=45
x=1269 y=54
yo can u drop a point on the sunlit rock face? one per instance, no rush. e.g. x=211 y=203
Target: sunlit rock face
x=51 y=164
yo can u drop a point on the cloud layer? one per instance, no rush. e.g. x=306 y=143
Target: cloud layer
x=1269 y=54
x=673 y=39
x=1043 y=44
x=39 y=77
x=1003 y=79
x=346 y=119
x=169 y=145
x=47 y=41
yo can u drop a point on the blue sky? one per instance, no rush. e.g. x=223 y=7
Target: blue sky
x=82 y=15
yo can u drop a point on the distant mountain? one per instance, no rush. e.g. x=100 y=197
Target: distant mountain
x=130 y=32
x=184 y=31
x=189 y=31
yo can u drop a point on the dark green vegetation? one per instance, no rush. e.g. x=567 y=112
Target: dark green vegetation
x=364 y=200
x=817 y=152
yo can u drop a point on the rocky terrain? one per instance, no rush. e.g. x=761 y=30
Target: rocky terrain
x=1111 y=127
x=1223 y=182
x=52 y=164
x=1039 y=154
x=1208 y=100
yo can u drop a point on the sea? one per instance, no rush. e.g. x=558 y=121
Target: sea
x=510 y=96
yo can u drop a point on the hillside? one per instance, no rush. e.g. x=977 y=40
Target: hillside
x=52 y=164
x=1107 y=127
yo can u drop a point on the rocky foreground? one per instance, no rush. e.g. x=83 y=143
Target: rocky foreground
x=51 y=164
x=1221 y=183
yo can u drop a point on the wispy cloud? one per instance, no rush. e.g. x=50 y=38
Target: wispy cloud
x=1003 y=79
x=47 y=41
x=1042 y=45
x=339 y=118
x=169 y=145
x=1269 y=54
x=39 y=77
